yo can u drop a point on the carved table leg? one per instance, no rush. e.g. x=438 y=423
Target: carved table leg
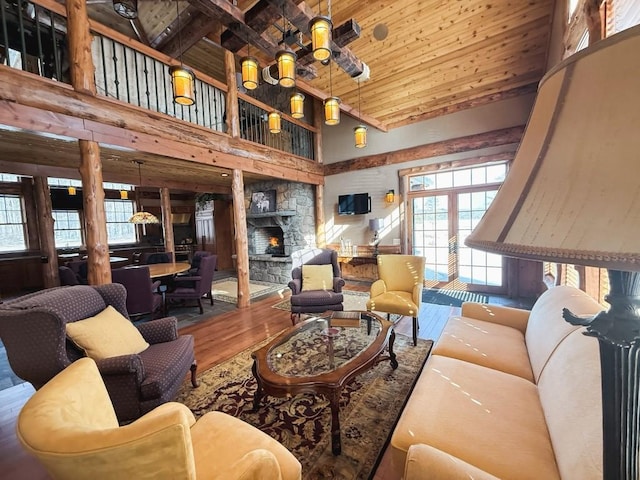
x=258 y=395
x=194 y=380
x=392 y=355
x=334 y=401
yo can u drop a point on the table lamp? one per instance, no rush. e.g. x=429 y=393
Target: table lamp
x=375 y=224
x=573 y=196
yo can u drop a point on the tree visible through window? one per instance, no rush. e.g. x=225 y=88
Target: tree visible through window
x=67 y=228
x=119 y=230
x=12 y=229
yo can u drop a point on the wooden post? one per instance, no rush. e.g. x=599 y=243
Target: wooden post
x=167 y=225
x=318 y=121
x=82 y=79
x=321 y=238
x=242 y=247
x=233 y=115
x=50 y=275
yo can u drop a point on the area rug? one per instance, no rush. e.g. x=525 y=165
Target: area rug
x=352 y=301
x=226 y=289
x=454 y=298
x=369 y=408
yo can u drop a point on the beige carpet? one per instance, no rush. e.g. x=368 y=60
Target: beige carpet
x=226 y=290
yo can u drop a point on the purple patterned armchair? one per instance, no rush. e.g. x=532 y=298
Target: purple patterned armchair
x=33 y=330
x=142 y=294
x=316 y=300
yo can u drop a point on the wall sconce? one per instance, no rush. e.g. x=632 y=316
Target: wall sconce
x=71 y=190
x=275 y=122
x=124 y=195
x=390 y=196
x=249 y=67
x=297 y=105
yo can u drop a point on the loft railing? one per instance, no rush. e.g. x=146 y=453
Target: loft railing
x=36 y=39
x=254 y=127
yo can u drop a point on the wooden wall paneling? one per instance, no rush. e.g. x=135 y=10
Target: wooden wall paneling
x=223 y=227
x=50 y=276
x=242 y=247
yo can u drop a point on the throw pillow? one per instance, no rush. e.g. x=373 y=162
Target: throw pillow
x=108 y=334
x=317 y=277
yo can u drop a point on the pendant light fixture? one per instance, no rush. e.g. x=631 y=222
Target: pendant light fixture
x=275 y=122
x=182 y=78
x=249 y=67
x=297 y=105
x=126 y=8
x=286 y=59
x=360 y=132
x=331 y=105
x=320 y=28
x=71 y=190
x=142 y=217
x=124 y=195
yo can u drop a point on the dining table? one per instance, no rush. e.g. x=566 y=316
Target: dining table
x=164 y=269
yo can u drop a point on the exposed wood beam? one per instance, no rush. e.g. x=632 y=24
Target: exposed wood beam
x=477 y=141
x=467 y=162
x=174 y=41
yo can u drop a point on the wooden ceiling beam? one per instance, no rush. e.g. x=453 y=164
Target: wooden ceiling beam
x=174 y=41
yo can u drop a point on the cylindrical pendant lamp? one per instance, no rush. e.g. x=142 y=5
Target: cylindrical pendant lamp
x=320 y=28
x=275 y=122
x=286 y=68
x=297 y=105
x=360 y=136
x=183 y=81
x=332 y=111
x=249 y=67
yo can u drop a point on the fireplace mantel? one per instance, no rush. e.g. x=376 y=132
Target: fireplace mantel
x=282 y=213
x=267 y=219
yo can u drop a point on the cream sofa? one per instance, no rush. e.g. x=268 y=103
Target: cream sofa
x=509 y=394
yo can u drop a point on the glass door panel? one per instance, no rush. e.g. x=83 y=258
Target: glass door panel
x=431 y=234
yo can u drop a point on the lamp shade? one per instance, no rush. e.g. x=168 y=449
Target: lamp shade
x=297 y=105
x=183 y=81
x=573 y=192
x=275 y=122
x=375 y=224
x=332 y=111
x=320 y=28
x=360 y=136
x=141 y=218
x=286 y=68
x=124 y=195
x=249 y=67
x=71 y=190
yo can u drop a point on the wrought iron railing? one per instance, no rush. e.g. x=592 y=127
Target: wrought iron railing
x=36 y=40
x=292 y=138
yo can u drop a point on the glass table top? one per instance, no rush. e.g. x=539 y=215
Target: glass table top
x=319 y=346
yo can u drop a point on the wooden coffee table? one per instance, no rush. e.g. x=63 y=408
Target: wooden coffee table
x=332 y=357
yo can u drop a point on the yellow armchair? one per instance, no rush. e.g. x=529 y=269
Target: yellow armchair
x=71 y=427
x=399 y=287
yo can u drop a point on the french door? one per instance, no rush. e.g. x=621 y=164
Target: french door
x=440 y=222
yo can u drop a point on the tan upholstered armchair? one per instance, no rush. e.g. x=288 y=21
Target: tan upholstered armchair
x=399 y=287
x=71 y=427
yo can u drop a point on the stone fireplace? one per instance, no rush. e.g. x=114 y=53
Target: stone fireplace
x=291 y=226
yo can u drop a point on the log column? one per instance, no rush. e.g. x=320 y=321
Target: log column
x=82 y=79
x=46 y=234
x=242 y=248
x=165 y=203
x=233 y=115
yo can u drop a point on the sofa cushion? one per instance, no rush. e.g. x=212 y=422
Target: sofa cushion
x=317 y=277
x=485 y=343
x=107 y=334
x=487 y=418
x=570 y=393
x=546 y=327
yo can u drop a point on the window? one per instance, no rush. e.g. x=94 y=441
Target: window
x=7 y=177
x=117 y=213
x=481 y=175
x=67 y=228
x=12 y=228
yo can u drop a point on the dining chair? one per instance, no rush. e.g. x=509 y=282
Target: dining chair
x=143 y=295
x=194 y=287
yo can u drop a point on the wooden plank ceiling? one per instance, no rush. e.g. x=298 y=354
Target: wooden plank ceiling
x=436 y=57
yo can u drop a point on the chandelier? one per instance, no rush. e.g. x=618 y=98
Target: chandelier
x=142 y=217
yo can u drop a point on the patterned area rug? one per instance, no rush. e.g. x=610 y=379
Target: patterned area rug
x=226 y=289
x=369 y=408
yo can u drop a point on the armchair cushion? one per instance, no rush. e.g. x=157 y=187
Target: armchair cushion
x=317 y=277
x=107 y=334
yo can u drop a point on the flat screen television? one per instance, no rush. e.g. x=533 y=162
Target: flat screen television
x=354 y=204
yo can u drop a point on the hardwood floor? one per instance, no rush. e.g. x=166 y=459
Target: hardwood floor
x=216 y=340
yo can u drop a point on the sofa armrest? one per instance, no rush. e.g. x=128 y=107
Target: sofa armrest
x=508 y=316
x=295 y=286
x=122 y=365
x=160 y=330
x=338 y=283
x=427 y=463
